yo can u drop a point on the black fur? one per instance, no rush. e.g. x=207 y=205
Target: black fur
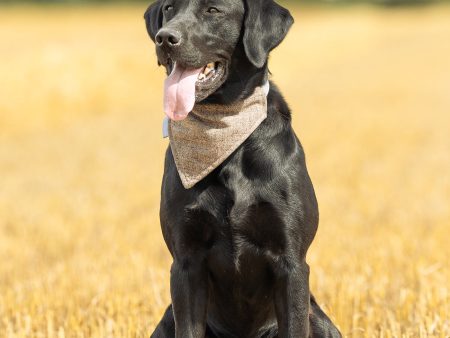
x=239 y=238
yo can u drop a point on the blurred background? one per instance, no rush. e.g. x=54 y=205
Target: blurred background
x=81 y=160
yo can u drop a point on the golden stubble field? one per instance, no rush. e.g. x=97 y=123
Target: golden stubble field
x=81 y=155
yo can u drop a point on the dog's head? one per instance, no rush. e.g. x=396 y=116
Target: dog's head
x=204 y=43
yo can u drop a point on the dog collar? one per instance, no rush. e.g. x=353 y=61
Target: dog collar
x=212 y=132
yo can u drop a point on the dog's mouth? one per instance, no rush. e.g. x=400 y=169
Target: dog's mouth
x=210 y=79
x=186 y=86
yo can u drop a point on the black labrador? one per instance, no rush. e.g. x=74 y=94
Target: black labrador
x=239 y=237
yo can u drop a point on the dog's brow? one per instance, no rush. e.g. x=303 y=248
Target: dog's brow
x=215 y=2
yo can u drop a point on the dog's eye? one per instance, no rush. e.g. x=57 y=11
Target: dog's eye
x=213 y=10
x=168 y=8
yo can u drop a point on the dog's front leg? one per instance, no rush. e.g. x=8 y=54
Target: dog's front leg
x=189 y=290
x=292 y=300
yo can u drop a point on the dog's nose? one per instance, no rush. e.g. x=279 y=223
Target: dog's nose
x=168 y=37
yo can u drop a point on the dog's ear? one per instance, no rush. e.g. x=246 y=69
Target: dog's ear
x=153 y=19
x=265 y=26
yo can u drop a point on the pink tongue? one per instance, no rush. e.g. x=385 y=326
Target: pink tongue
x=179 y=92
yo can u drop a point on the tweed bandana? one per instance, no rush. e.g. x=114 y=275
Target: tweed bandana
x=212 y=132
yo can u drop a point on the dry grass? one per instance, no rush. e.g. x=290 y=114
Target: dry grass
x=81 y=161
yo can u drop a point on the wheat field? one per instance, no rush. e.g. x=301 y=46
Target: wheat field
x=81 y=156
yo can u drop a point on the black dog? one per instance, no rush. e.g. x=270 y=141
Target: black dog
x=239 y=237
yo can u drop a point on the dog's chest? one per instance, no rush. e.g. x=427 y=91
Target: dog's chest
x=231 y=215
x=232 y=220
